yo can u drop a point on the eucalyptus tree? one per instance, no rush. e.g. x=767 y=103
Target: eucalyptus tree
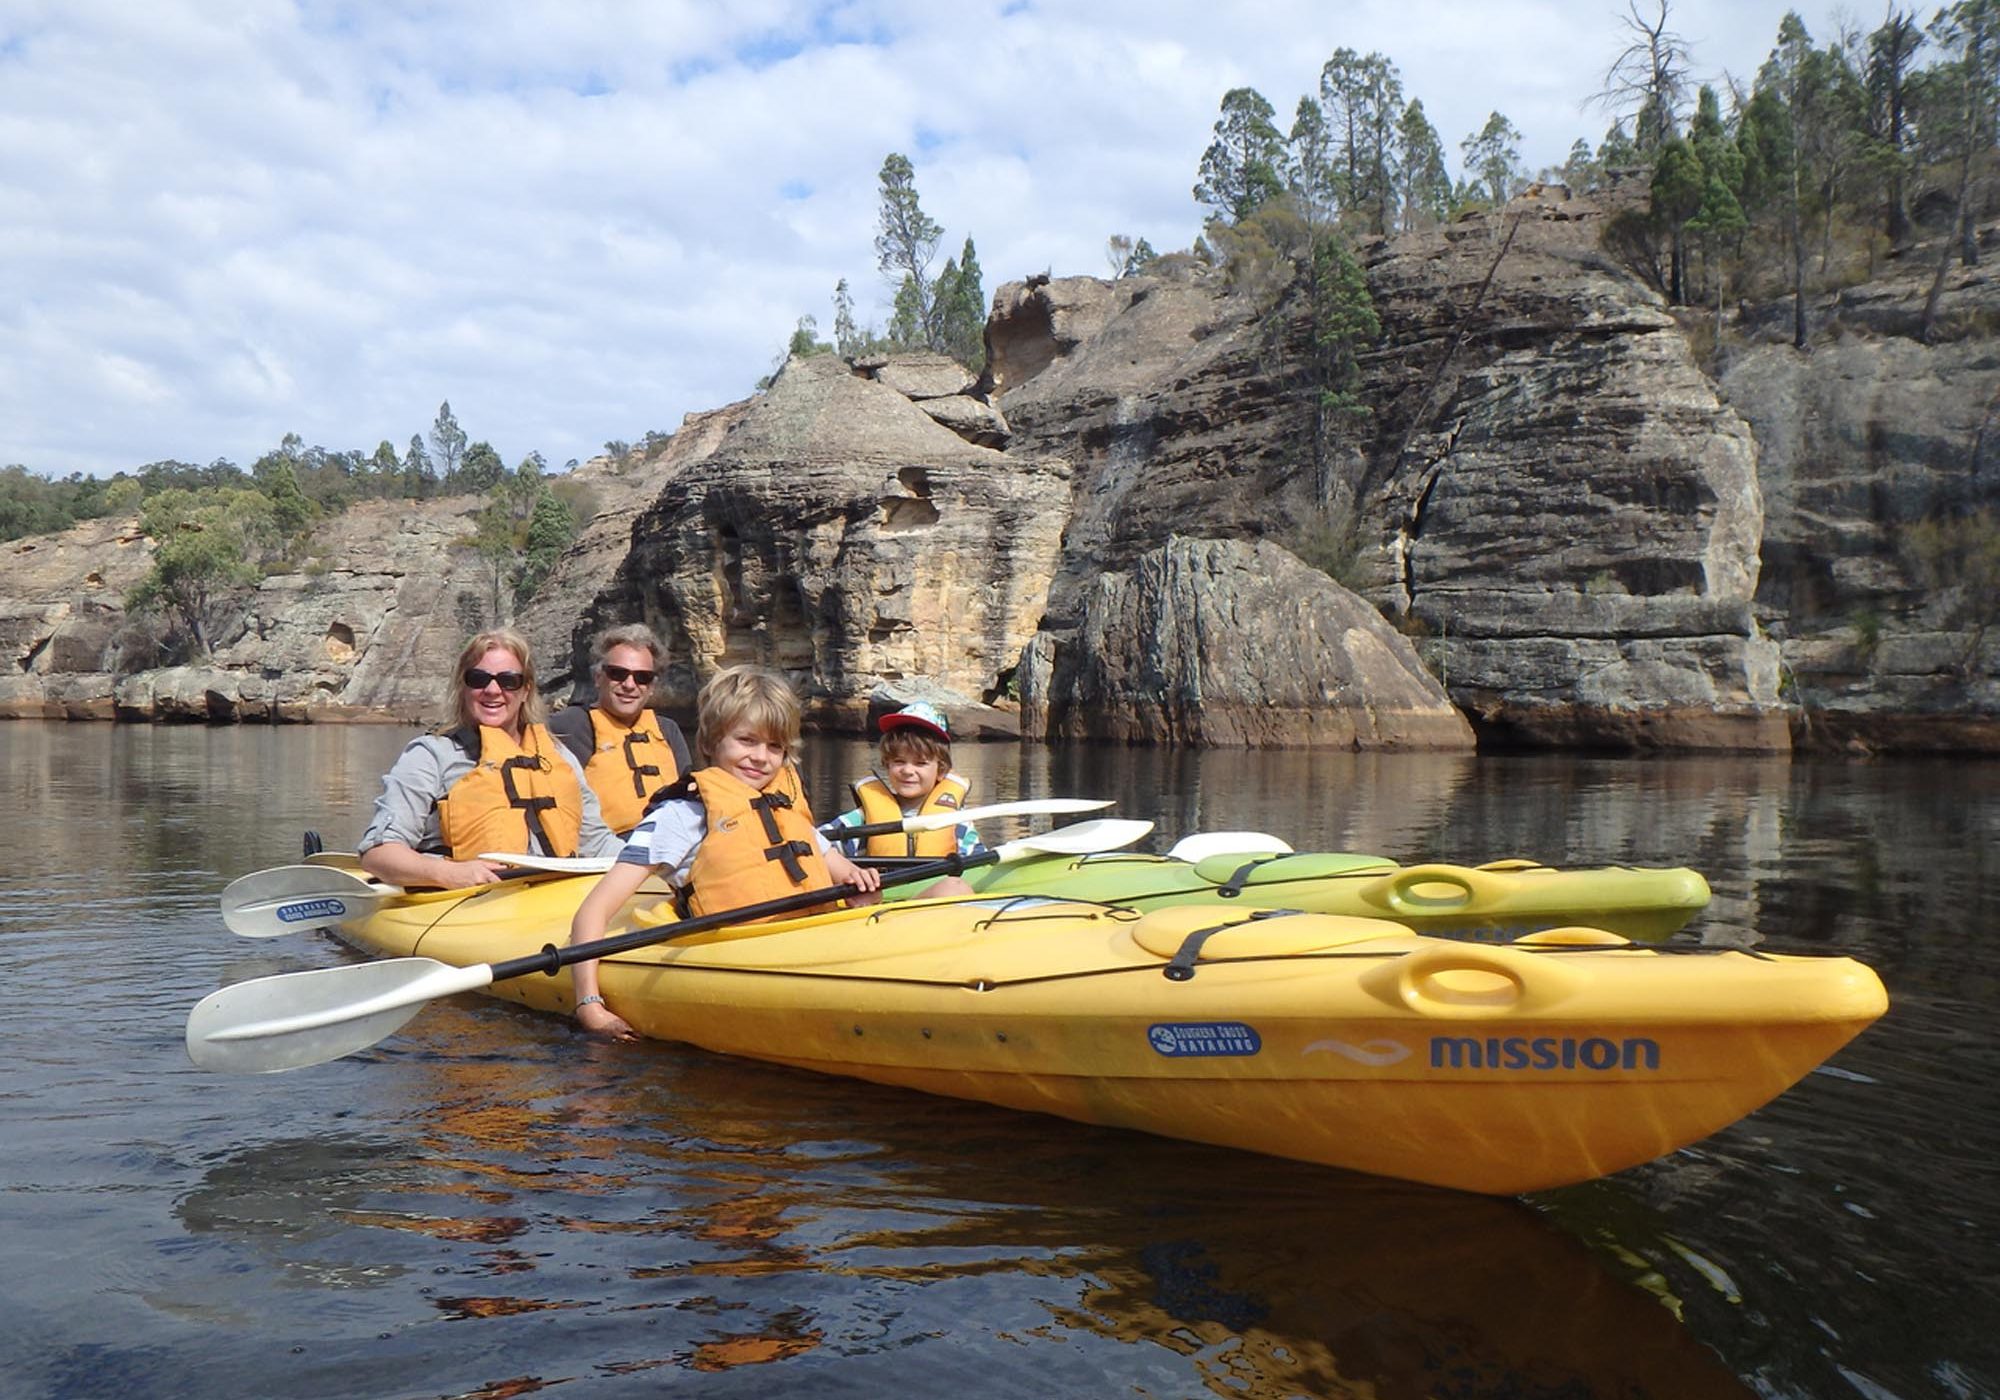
x=1493 y=158
x=209 y=546
x=906 y=241
x=846 y=338
x=1778 y=129
x=1360 y=103
x=447 y=444
x=1966 y=96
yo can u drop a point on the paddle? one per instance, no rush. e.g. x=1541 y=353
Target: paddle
x=289 y=898
x=1203 y=844
x=1039 y=806
x=297 y=1019
x=937 y=821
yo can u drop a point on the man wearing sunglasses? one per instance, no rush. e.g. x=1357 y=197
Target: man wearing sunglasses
x=629 y=750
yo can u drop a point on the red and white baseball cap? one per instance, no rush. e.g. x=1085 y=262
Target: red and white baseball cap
x=918 y=715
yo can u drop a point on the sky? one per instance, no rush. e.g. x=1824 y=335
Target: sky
x=222 y=221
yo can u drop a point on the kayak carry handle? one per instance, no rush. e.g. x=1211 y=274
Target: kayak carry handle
x=1457 y=981
x=1423 y=890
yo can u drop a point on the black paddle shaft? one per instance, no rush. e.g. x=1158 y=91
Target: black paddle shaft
x=552 y=959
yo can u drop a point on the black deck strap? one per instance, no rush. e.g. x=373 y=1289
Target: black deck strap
x=313 y=845
x=1180 y=968
x=639 y=772
x=531 y=807
x=785 y=852
x=1233 y=886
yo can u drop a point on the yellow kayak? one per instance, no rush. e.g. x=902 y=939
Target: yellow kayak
x=1496 y=901
x=1353 y=1042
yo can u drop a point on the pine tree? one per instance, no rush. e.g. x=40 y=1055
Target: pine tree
x=418 y=474
x=1425 y=180
x=1239 y=171
x=962 y=303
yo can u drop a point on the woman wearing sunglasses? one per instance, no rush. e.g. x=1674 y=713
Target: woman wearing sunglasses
x=629 y=750
x=498 y=781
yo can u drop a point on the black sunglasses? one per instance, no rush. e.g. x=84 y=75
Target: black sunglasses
x=476 y=679
x=625 y=673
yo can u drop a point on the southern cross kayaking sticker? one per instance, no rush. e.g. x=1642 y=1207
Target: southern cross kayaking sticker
x=311 y=909
x=1207 y=1038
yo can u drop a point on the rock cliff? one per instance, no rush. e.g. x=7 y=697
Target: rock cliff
x=1549 y=492
x=840 y=533
x=1584 y=532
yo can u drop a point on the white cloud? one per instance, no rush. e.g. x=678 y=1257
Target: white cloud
x=579 y=221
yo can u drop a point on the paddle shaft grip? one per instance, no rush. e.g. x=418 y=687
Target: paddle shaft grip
x=552 y=959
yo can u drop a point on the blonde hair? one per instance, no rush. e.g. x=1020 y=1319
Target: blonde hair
x=533 y=711
x=747 y=695
x=632 y=634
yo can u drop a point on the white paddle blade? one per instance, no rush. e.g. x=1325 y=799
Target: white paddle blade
x=307 y=1018
x=1028 y=807
x=294 y=898
x=1081 y=839
x=561 y=865
x=1203 y=844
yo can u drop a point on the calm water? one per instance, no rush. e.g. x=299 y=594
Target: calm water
x=491 y=1205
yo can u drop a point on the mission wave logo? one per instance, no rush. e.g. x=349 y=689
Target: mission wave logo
x=319 y=910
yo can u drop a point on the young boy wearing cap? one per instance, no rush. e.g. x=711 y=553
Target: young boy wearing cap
x=914 y=778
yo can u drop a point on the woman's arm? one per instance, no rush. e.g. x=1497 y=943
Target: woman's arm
x=397 y=863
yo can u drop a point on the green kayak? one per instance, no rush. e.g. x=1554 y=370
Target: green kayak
x=1501 y=900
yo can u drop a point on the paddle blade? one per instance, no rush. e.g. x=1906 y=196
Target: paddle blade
x=1203 y=844
x=1083 y=838
x=294 y=898
x=307 y=1018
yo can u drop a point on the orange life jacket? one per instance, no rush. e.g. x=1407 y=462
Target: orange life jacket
x=513 y=792
x=629 y=766
x=759 y=845
x=878 y=804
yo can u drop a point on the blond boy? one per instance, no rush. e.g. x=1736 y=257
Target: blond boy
x=735 y=832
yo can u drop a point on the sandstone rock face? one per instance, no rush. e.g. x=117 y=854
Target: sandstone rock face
x=1573 y=514
x=1861 y=441
x=367 y=630
x=1232 y=644
x=917 y=377
x=562 y=618
x=1549 y=487
x=839 y=534
x=61 y=610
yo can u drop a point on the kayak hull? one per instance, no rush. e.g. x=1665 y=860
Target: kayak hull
x=1349 y=1042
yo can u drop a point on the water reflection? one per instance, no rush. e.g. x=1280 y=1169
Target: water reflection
x=754 y=1217
x=488 y=1204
